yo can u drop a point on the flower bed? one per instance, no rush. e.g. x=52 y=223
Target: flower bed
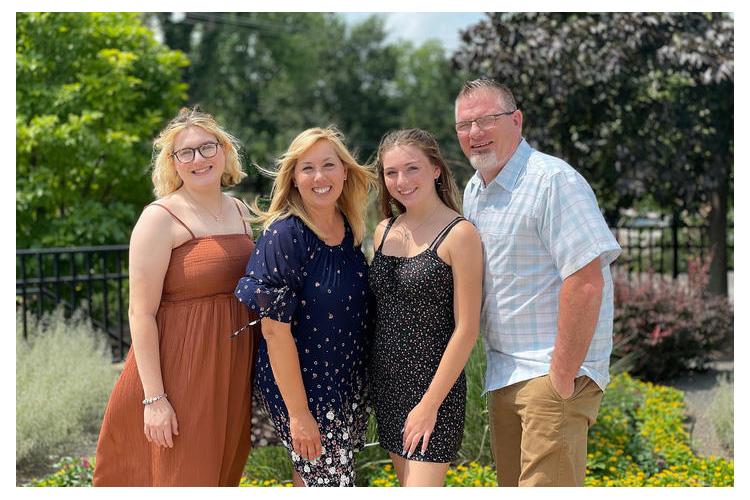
x=639 y=440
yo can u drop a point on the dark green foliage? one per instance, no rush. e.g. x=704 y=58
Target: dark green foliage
x=270 y=75
x=641 y=103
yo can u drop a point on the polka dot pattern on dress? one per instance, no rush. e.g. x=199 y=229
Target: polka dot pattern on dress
x=414 y=322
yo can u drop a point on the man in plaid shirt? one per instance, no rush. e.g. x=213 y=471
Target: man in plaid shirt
x=548 y=299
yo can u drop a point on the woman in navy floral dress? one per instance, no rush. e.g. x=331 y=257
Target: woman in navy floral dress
x=307 y=279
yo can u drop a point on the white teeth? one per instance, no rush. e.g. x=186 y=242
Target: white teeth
x=409 y=191
x=322 y=190
x=202 y=170
x=482 y=145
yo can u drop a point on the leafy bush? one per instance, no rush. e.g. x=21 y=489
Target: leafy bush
x=662 y=327
x=722 y=413
x=64 y=375
x=71 y=472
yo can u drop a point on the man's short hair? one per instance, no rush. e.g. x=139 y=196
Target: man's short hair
x=472 y=86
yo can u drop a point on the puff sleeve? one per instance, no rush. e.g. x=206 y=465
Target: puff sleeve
x=274 y=274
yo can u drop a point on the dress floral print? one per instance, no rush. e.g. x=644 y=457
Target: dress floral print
x=321 y=290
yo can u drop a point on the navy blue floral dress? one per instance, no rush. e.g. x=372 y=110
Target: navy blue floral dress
x=322 y=290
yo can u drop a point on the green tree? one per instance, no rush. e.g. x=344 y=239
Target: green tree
x=259 y=73
x=268 y=76
x=427 y=84
x=92 y=91
x=641 y=103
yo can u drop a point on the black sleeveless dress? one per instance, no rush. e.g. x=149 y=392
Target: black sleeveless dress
x=414 y=323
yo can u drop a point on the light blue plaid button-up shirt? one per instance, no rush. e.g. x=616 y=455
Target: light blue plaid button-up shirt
x=539 y=222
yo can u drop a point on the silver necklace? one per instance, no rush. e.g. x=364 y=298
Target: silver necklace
x=217 y=218
x=407 y=235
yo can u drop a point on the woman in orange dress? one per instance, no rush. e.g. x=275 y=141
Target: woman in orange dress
x=179 y=414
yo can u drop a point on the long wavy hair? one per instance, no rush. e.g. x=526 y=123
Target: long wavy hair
x=164 y=174
x=445 y=184
x=286 y=199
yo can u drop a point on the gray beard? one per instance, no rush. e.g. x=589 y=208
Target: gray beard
x=484 y=161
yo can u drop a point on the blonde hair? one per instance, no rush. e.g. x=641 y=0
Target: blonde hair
x=164 y=175
x=286 y=200
x=445 y=184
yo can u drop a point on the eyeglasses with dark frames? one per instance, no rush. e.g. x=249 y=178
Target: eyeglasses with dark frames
x=483 y=122
x=207 y=150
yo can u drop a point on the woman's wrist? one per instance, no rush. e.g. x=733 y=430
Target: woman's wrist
x=430 y=403
x=153 y=399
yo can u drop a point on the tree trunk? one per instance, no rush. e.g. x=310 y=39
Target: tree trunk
x=717 y=237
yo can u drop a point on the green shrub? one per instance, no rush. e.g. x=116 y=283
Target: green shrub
x=64 y=375
x=71 y=472
x=722 y=412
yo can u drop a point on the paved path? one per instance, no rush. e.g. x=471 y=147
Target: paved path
x=700 y=390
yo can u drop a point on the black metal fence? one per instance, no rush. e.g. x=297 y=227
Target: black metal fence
x=90 y=278
x=95 y=278
x=664 y=246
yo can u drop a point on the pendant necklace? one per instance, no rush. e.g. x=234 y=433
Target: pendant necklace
x=408 y=234
x=217 y=218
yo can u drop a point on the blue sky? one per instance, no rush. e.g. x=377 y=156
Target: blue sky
x=421 y=26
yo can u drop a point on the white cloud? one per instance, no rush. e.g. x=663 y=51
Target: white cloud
x=419 y=27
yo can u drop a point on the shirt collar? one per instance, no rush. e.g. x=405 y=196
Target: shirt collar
x=509 y=174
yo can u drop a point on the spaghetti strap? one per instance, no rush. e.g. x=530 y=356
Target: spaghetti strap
x=175 y=218
x=442 y=234
x=387 y=228
x=244 y=226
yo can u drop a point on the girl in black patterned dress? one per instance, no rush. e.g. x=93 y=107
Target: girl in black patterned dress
x=426 y=276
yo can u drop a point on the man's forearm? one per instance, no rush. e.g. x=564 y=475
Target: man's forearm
x=578 y=313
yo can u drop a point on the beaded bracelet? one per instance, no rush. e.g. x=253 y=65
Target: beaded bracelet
x=154 y=399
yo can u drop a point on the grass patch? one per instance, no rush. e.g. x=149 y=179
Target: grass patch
x=475 y=446
x=268 y=463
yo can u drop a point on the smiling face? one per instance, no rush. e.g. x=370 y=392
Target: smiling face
x=202 y=172
x=319 y=175
x=409 y=176
x=488 y=150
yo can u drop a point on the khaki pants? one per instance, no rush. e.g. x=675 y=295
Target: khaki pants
x=538 y=438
